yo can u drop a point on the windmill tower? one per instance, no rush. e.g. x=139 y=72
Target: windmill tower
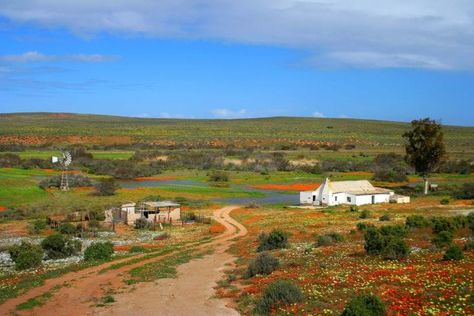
x=64 y=161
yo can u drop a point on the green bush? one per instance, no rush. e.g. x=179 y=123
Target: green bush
x=417 y=221
x=386 y=241
x=281 y=292
x=142 y=223
x=329 y=239
x=99 y=251
x=106 y=187
x=363 y=226
x=275 y=240
x=59 y=246
x=365 y=305
x=444 y=201
x=384 y=218
x=454 y=252
x=353 y=208
x=67 y=229
x=218 y=176
x=137 y=249
x=393 y=230
x=364 y=214
x=26 y=255
x=466 y=192
x=265 y=263
x=440 y=224
x=36 y=226
x=442 y=239
x=395 y=249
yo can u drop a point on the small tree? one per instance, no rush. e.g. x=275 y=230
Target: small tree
x=454 y=252
x=425 y=150
x=106 y=187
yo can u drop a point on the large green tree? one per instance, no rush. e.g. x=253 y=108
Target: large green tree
x=425 y=149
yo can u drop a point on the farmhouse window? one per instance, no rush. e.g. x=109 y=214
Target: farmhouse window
x=335 y=198
x=348 y=199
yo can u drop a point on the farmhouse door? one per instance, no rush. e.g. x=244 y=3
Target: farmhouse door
x=373 y=199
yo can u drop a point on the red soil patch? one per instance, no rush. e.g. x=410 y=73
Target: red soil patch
x=288 y=187
x=3 y=208
x=163 y=178
x=217 y=228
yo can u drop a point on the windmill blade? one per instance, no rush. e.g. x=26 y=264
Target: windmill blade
x=67 y=158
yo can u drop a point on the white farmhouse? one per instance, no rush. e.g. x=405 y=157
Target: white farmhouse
x=358 y=192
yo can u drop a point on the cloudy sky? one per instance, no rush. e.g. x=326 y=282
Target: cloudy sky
x=391 y=59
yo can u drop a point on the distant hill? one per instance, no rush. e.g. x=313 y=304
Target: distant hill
x=60 y=128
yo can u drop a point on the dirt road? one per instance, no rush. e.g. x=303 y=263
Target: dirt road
x=189 y=294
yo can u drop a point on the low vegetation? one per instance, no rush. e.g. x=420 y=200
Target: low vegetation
x=99 y=251
x=265 y=263
x=276 y=239
x=281 y=292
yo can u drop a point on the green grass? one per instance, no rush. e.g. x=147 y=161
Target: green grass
x=35 y=301
x=101 y=154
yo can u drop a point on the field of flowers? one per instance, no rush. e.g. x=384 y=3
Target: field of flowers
x=422 y=284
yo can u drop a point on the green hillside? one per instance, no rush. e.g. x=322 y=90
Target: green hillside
x=57 y=128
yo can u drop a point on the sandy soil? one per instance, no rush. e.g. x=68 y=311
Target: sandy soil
x=189 y=294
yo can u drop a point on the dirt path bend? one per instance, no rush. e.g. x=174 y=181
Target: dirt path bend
x=191 y=292
x=86 y=286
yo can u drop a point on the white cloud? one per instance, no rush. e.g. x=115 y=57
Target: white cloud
x=33 y=56
x=226 y=113
x=428 y=34
x=318 y=114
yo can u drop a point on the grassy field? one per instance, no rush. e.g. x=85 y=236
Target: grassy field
x=54 y=128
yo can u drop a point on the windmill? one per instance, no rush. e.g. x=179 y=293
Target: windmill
x=64 y=161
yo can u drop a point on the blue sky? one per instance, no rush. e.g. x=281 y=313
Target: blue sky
x=196 y=59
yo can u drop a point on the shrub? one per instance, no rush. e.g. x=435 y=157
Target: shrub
x=442 y=239
x=188 y=217
x=142 y=223
x=96 y=215
x=265 y=263
x=26 y=255
x=444 y=201
x=374 y=242
x=393 y=230
x=106 y=187
x=395 y=249
x=74 y=180
x=417 y=221
x=67 y=229
x=465 y=192
x=364 y=214
x=281 y=292
x=99 y=251
x=218 y=176
x=36 y=226
x=329 y=239
x=454 y=252
x=59 y=246
x=363 y=226
x=353 y=208
x=440 y=224
x=386 y=241
x=384 y=218
x=390 y=175
x=365 y=305
x=275 y=240
x=137 y=249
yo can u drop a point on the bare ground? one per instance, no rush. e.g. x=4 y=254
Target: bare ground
x=189 y=294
